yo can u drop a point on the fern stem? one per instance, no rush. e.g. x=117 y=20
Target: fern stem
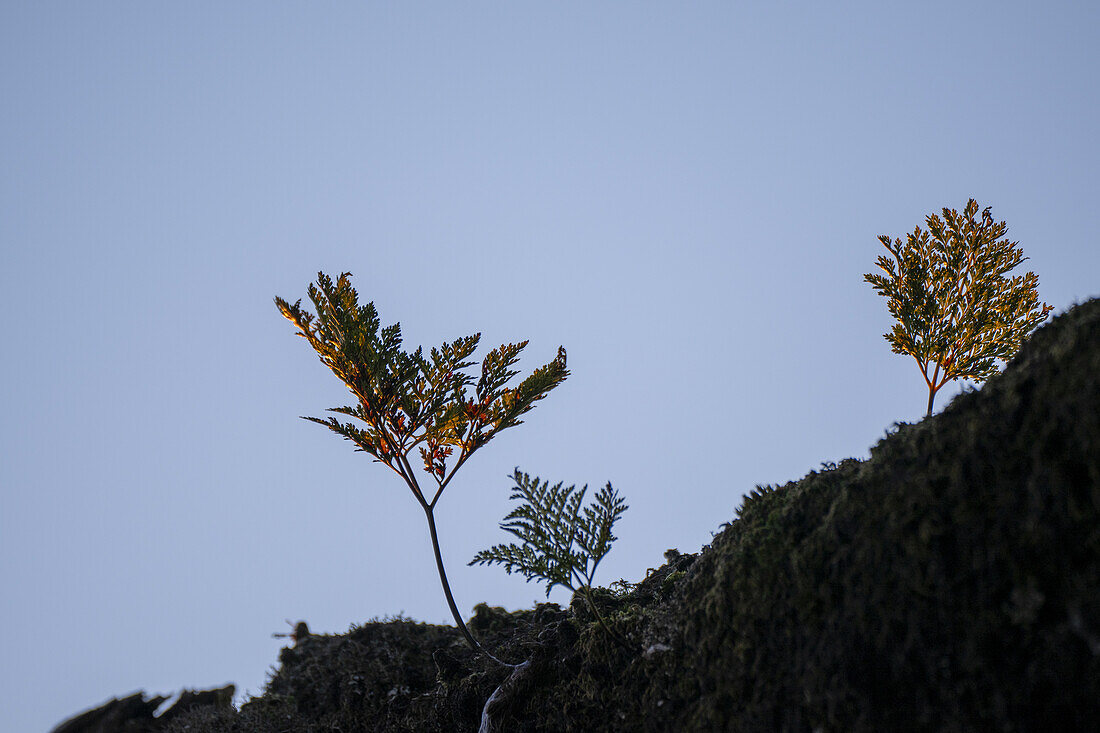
x=592 y=604
x=450 y=598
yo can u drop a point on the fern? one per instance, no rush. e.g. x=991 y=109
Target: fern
x=406 y=401
x=957 y=311
x=561 y=541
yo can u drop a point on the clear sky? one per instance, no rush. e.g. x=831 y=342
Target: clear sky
x=685 y=195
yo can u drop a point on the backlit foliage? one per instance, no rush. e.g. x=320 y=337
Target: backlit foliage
x=408 y=401
x=957 y=312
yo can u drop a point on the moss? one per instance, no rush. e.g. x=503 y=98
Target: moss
x=671 y=580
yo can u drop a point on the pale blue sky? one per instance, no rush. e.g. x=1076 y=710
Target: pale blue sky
x=685 y=195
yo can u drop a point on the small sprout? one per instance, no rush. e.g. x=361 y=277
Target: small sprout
x=671 y=580
x=301 y=631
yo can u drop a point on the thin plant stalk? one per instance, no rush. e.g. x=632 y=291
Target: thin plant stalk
x=450 y=598
x=596 y=612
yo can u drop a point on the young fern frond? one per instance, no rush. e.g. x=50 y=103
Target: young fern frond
x=561 y=540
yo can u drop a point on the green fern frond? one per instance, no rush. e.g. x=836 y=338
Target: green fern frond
x=561 y=540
